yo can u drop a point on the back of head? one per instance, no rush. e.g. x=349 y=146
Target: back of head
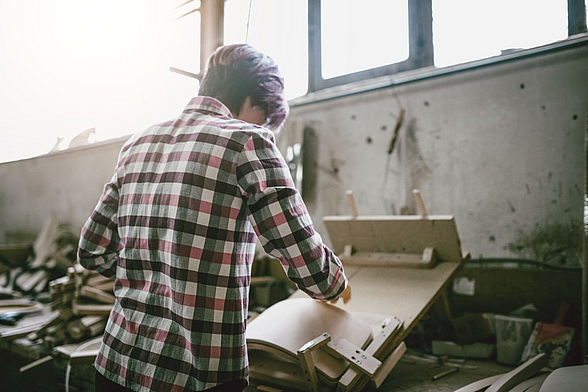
x=238 y=71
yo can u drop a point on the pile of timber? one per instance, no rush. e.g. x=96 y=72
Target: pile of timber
x=83 y=300
x=53 y=251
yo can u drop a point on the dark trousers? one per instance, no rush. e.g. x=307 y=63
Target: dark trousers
x=102 y=384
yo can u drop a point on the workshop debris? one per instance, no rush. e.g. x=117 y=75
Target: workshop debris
x=53 y=251
x=82 y=308
x=519 y=374
x=553 y=340
x=512 y=334
x=511 y=381
x=445 y=373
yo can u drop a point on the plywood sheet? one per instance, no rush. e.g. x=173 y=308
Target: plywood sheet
x=286 y=326
x=406 y=293
x=396 y=234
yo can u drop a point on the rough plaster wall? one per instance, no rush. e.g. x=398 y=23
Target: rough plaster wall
x=66 y=184
x=500 y=147
x=506 y=160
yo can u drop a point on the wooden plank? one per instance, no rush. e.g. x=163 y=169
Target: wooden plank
x=406 y=293
x=480 y=385
x=525 y=385
x=98 y=295
x=305 y=319
x=268 y=369
x=307 y=362
x=396 y=234
x=387 y=366
x=36 y=363
x=98 y=280
x=91 y=309
x=378 y=348
x=20 y=306
x=425 y=260
x=519 y=374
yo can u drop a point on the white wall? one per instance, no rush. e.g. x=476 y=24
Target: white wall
x=507 y=161
x=66 y=184
x=501 y=147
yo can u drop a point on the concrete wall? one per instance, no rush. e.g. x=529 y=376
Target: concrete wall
x=66 y=184
x=500 y=146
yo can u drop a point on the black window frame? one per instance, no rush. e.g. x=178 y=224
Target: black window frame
x=420 y=46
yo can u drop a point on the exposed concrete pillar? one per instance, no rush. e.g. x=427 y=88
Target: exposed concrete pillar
x=211 y=29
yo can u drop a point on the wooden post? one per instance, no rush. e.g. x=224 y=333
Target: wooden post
x=352 y=204
x=420 y=203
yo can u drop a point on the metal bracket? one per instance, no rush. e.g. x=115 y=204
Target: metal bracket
x=344 y=349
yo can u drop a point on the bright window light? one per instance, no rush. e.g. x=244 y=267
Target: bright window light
x=359 y=35
x=465 y=30
x=278 y=29
x=68 y=66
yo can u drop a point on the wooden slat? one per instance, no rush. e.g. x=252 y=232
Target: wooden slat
x=520 y=374
x=396 y=234
x=388 y=365
x=480 y=384
x=426 y=259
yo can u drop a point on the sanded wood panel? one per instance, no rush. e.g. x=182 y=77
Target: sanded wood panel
x=406 y=293
x=286 y=326
x=396 y=234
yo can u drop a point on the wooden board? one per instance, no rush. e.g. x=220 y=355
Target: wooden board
x=286 y=326
x=406 y=293
x=532 y=382
x=480 y=385
x=396 y=234
x=20 y=306
x=520 y=374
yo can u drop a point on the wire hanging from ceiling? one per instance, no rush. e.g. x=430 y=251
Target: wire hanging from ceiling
x=248 y=20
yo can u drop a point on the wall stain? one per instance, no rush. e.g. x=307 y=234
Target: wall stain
x=558 y=244
x=512 y=207
x=417 y=166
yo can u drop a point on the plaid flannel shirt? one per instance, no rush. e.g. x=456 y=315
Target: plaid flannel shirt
x=177 y=226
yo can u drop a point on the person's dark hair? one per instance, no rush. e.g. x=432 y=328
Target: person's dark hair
x=238 y=71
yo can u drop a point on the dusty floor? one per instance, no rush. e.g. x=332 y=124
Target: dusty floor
x=416 y=376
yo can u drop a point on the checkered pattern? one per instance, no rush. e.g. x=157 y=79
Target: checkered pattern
x=176 y=226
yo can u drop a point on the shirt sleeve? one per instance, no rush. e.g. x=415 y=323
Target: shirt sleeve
x=282 y=223
x=99 y=241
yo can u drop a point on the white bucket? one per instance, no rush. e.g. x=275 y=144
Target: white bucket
x=512 y=334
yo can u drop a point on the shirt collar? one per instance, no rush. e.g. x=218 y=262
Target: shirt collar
x=208 y=104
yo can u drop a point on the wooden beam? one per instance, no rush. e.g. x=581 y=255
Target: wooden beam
x=520 y=374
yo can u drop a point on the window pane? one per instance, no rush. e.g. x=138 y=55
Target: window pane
x=359 y=35
x=465 y=30
x=278 y=29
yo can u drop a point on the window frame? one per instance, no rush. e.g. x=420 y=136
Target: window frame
x=420 y=43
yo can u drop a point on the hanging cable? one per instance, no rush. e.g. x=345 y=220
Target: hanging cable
x=248 y=20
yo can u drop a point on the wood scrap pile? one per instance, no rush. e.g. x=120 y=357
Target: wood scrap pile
x=83 y=300
x=53 y=251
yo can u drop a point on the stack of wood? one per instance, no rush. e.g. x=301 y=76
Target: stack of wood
x=83 y=300
x=53 y=251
